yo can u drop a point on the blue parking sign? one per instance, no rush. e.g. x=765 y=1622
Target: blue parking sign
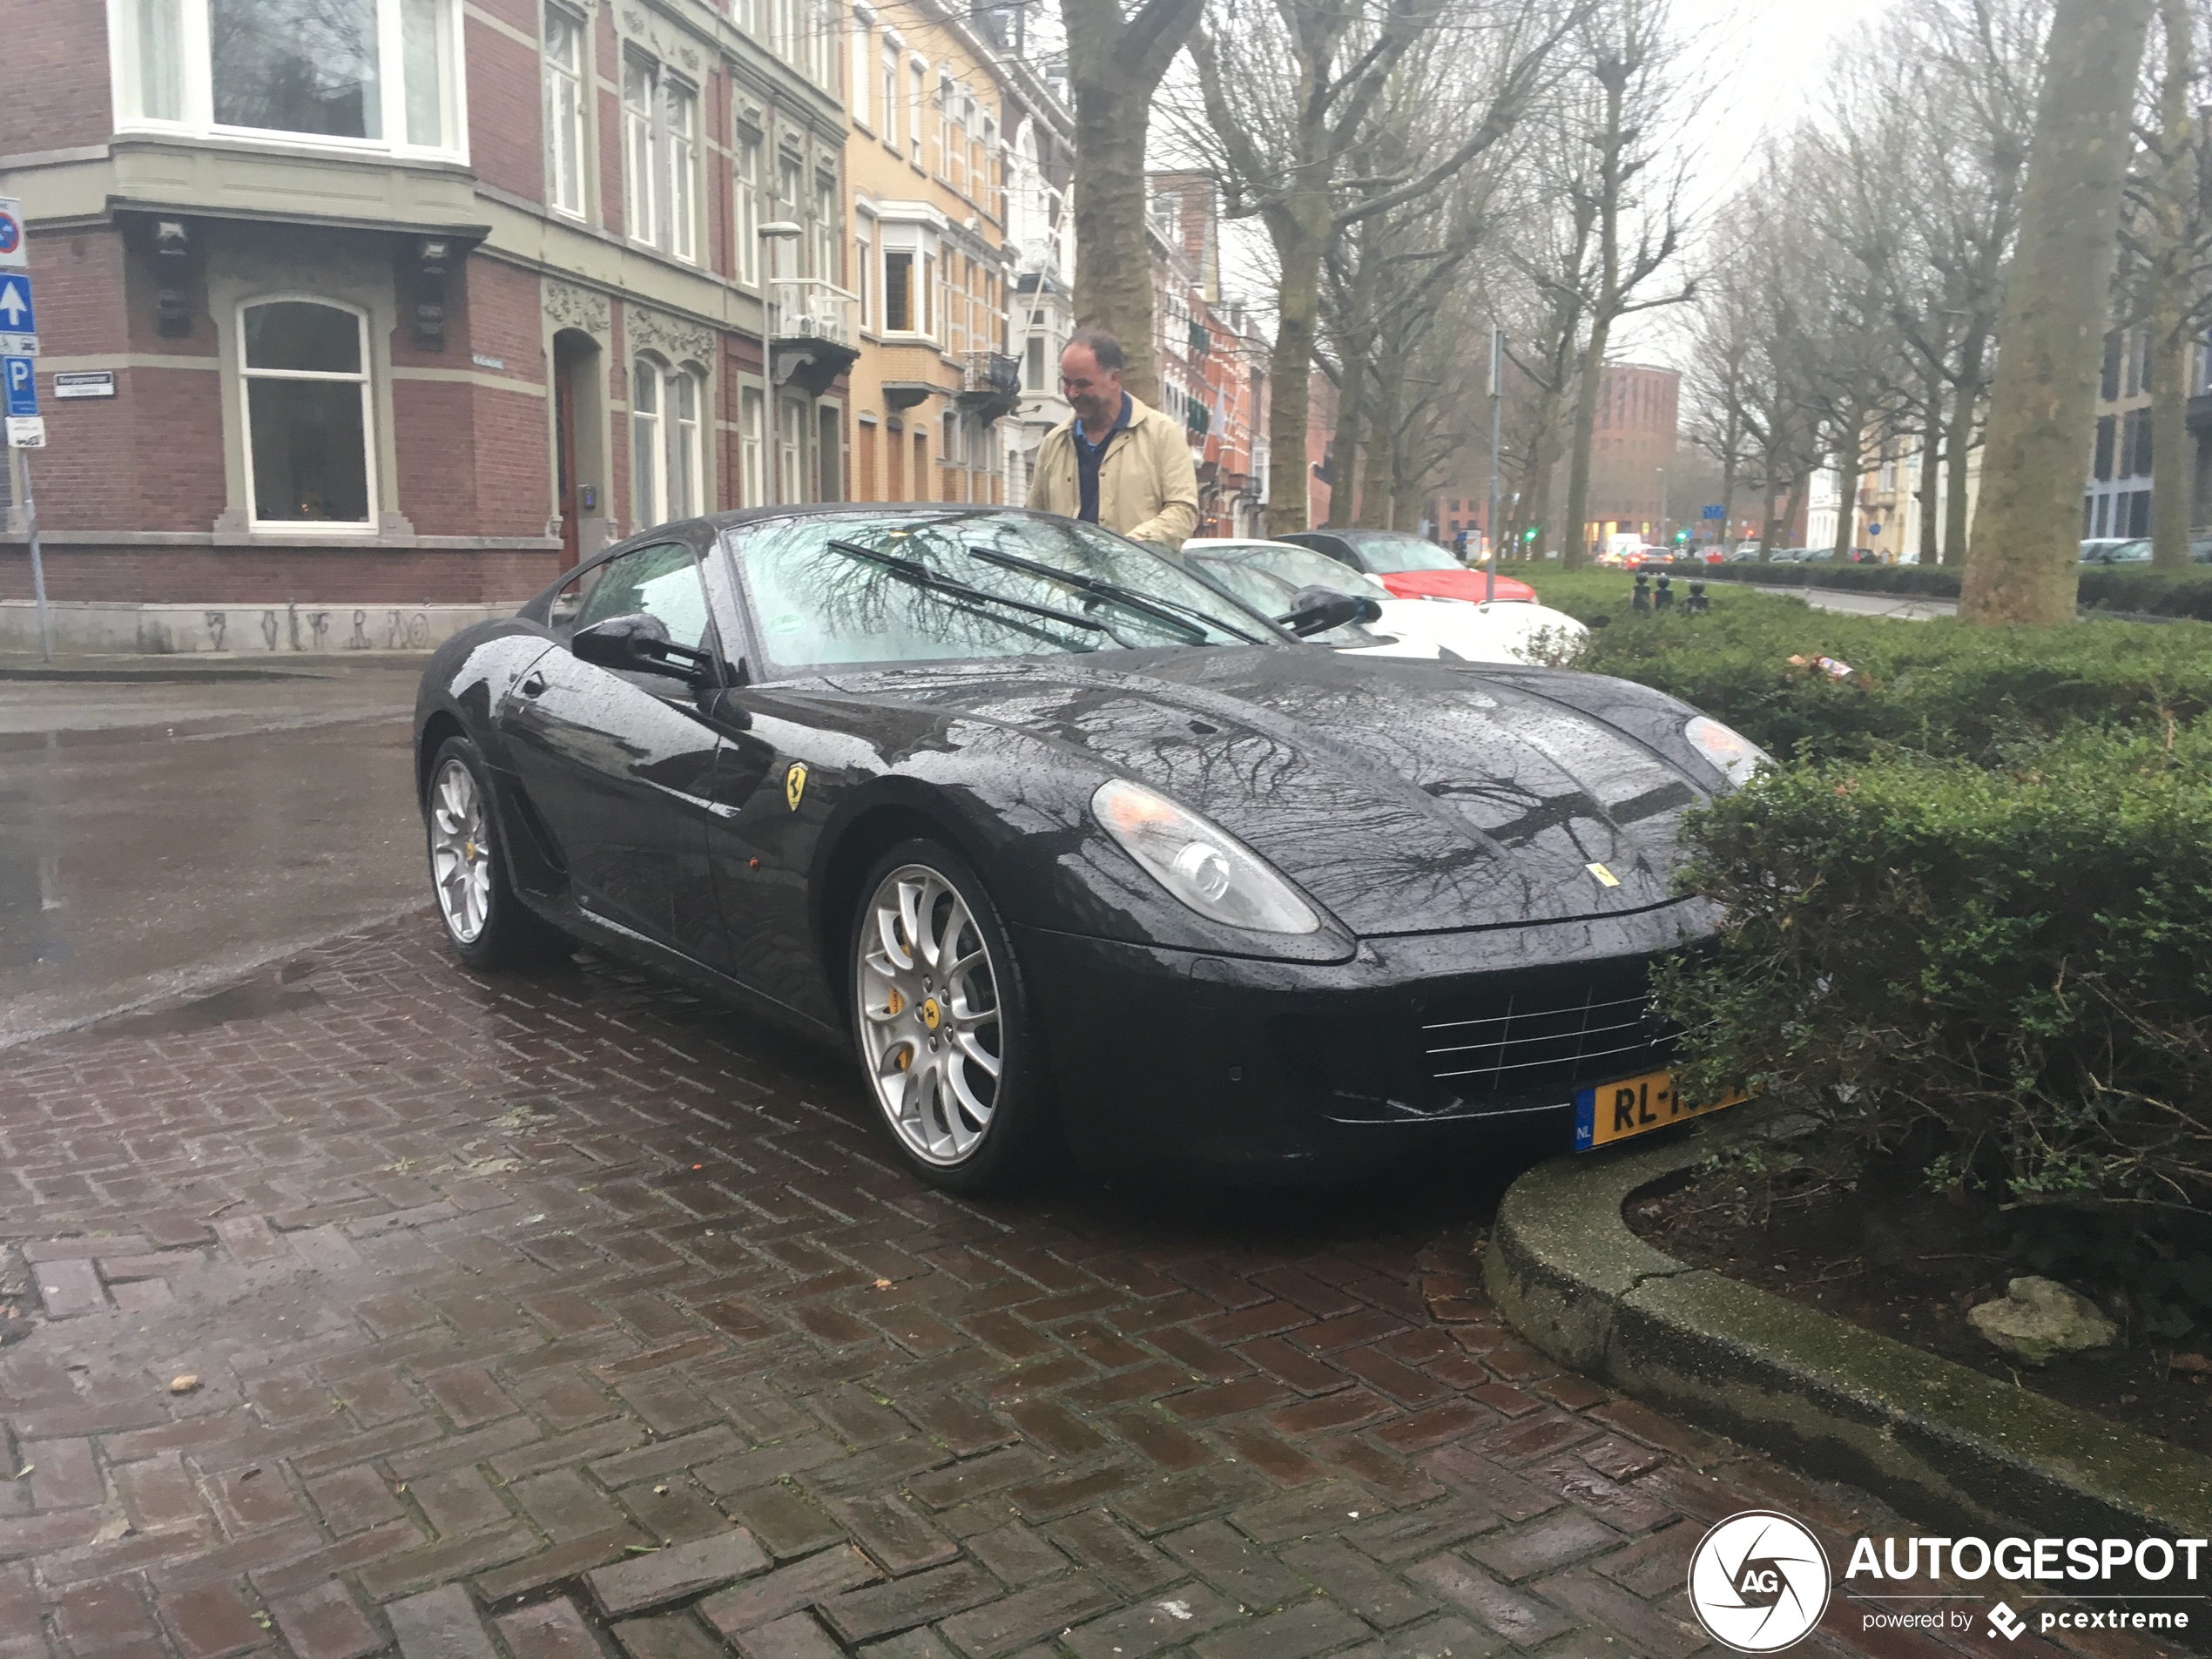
x=22 y=378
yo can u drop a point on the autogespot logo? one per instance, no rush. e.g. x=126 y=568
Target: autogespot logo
x=1759 y=1581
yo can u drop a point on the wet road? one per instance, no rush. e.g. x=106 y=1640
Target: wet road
x=167 y=828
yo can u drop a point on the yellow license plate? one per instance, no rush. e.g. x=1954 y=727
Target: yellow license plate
x=1633 y=1106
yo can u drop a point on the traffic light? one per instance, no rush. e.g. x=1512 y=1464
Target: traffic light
x=1681 y=539
x=1529 y=534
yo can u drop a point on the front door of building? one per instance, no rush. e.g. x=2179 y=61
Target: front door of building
x=564 y=454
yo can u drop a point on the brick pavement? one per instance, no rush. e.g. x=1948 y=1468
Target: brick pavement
x=565 y=1317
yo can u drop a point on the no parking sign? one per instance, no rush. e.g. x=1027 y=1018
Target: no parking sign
x=13 y=255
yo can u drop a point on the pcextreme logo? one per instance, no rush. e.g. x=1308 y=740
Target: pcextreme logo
x=1759 y=1581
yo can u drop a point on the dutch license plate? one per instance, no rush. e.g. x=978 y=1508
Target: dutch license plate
x=1633 y=1106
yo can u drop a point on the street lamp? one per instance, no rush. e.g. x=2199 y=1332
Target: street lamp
x=781 y=229
x=1661 y=471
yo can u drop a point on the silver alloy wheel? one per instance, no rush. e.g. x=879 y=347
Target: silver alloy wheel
x=930 y=1032
x=460 y=854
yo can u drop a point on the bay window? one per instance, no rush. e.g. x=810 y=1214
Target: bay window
x=368 y=73
x=898 y=290
x=303 y=368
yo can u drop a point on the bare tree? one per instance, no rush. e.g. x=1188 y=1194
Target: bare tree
x=1626 y=47
x=1116 y=60
x=1289 y=91
x=2023 y=565
x=2171 y=248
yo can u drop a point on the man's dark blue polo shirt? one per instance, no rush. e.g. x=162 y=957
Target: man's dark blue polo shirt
x=1088 y=455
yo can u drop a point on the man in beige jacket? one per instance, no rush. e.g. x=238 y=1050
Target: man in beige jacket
x=1118 y=462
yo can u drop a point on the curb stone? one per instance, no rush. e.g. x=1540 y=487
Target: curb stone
x=1929 y=1435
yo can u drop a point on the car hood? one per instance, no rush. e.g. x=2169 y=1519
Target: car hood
x=1407 y=797
x=1499 y=633
x=1452 y=584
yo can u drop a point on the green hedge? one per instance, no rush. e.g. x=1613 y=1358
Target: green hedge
x=2131 y=590
x=1971 y=902
x=1938 y=687
x=2015 y=956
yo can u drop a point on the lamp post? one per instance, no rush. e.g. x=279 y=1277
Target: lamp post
x=776 y=230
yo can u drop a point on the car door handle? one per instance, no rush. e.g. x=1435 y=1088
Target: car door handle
x=533 y=685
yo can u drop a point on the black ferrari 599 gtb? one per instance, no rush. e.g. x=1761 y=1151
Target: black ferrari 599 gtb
x=1044 y=828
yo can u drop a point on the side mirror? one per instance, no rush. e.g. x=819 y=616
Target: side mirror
x=1317 y=610
x=640 y=644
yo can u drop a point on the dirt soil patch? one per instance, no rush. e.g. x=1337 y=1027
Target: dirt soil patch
x=1873 y=1244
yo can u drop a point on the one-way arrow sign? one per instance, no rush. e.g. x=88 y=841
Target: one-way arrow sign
x=18 y=321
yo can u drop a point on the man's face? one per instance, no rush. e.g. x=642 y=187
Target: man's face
x=1094 y=393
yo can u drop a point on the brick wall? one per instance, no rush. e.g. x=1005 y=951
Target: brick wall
x=57 y=95
x=280 y=575
x=506 y=100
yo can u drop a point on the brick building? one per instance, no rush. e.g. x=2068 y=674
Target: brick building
x=407 y=303
x=1632 y=443
x=1211 y=357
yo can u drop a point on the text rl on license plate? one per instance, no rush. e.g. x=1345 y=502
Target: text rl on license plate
x=1633 y=1106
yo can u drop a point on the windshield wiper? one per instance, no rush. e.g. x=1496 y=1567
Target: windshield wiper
x=1155 y=609
x=922 y=576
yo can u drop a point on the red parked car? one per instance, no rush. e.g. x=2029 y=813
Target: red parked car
x=1410 y=566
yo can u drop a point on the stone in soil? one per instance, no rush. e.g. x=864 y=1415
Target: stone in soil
x=2041 y=1319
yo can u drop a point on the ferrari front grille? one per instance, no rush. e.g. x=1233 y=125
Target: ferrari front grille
x=1556 y=1040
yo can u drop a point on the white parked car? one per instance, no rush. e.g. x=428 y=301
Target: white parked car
x=1265 y=576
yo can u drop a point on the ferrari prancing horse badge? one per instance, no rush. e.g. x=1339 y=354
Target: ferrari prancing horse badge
x=795 y=784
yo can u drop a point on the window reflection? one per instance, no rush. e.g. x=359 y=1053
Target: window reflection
x=814 y=605
x=296 y=65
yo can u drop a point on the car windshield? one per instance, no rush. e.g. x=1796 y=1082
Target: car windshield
x=1300 y=566
x=872 y=586
x=1391 y=555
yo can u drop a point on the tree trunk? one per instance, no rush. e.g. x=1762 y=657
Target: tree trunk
x=1959 y=444
x=1576 y=548
x=2024 y=567
x=1298 y=301
x=1352 y=389
x=1931 y=550
x=1113 y=263
x=1378 y=477
x=1850 y=471
x=2170 y=448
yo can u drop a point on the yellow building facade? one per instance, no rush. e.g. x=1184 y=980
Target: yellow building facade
x=932 y=100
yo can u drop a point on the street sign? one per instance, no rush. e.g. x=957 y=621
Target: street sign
x=19 y=322
x=1715 y=510
x=13 y=255
x=20 y=377
x=1873 y=529
x=26 y=432
x=84 y=382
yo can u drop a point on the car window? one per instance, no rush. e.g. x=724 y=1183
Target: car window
x=662 y=580
x=814 y=605
x=1261 y=590
x=1302 y=566
x=1388 y=554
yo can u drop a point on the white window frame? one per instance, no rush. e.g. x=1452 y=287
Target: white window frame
x=828 y=240
x=247 y=376
x=661 y=206
x=746 y=170
x=892 y=48
x=752 y=469
x=863 y=67
x=865 y=281
x=670 y=442
x=917 y=104
x=196 y=91
x=567 y=113
x=791 y=450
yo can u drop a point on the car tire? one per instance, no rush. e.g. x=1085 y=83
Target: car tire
x=943 y=1025
x=485 y=924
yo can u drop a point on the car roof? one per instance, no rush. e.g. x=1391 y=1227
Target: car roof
x=1205 y=542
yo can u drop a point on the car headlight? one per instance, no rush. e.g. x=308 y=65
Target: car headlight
x=1730 y=751
x=1213 y=873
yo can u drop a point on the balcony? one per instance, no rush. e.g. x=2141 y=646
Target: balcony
x=810 y=332
x=990 y=384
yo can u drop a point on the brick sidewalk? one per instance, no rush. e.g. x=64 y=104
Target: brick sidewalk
x=566 y=1317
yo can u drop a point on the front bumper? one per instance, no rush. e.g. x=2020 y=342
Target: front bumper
x=1171 y=1061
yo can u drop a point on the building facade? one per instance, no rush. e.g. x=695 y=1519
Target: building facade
x=408 y=304
x=954 y=141
x=1211 y=359
x=1632 y=449
x=2117 y=500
